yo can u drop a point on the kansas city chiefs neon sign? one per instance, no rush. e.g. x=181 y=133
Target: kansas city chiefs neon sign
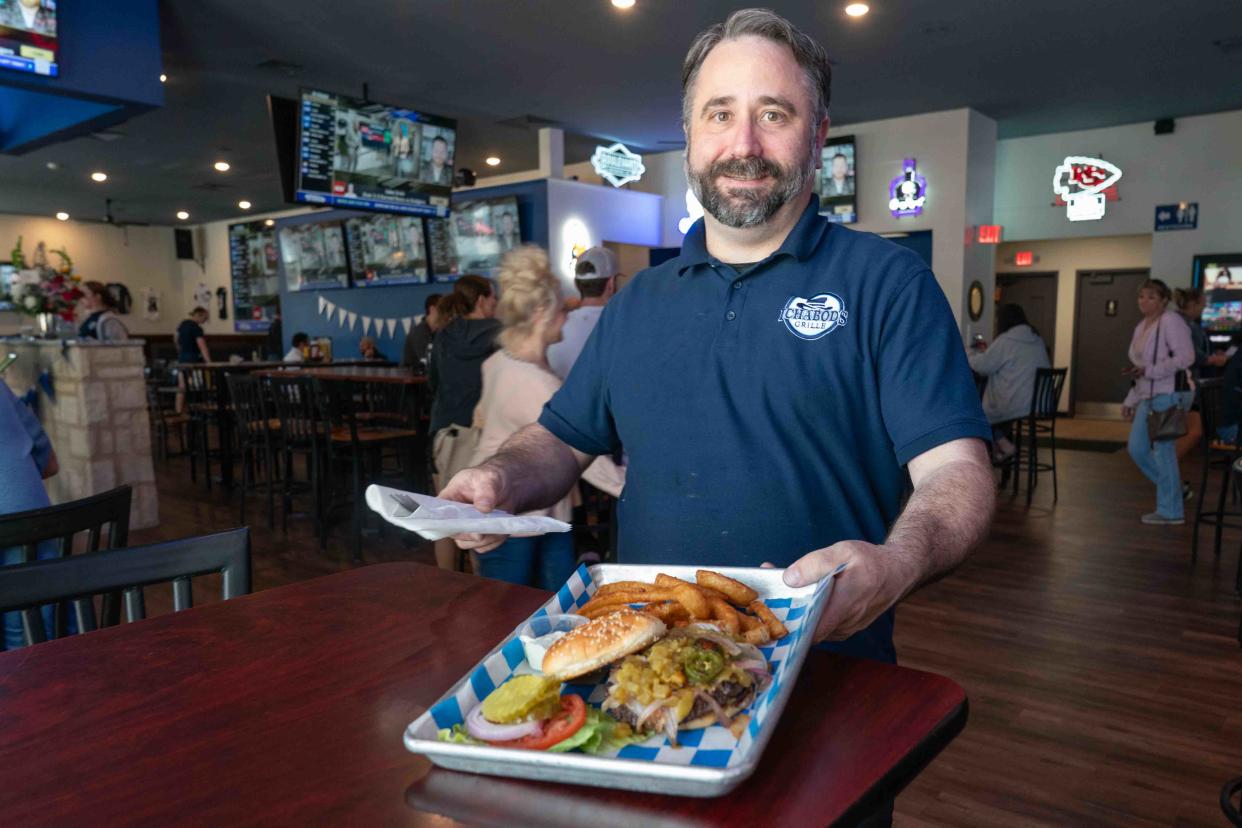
x=1081 y=182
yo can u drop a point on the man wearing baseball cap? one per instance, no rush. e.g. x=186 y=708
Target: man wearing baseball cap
x=595 y=274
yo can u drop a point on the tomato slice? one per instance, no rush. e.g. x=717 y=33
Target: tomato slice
x=559 y=728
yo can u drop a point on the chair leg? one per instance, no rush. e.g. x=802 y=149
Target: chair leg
x=270 y=472
x=193 y=430
x=1030 y=463
x=357 y=505
x=1052 y=442
x=1220 y=508
x=1203 y=483
x=247 y=471
x=1016 y=461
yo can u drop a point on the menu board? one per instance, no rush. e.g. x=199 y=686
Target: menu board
x=386 y=250
x=255 y=276
x=313 y=256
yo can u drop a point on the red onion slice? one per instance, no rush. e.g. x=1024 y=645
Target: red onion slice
x=716 y=708
x=480 y=728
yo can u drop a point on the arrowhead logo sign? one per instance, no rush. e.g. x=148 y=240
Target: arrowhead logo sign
x=617 y=165
x=1082 y=181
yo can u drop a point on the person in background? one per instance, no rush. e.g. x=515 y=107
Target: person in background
x=418 y=343
x=1231 y=400
x=436 y=169
x=595 y=276
x=26 y=460
x=1009 y=363
x=274 y=340
x=297 y=352
x=369 y=349
x=1161 y=350
x=102 y=322
x=191 y=340
x=467 y=336
x=517 y=381
x=1190 y=303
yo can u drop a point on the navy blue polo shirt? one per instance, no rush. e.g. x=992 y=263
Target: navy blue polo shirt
x=769 y=414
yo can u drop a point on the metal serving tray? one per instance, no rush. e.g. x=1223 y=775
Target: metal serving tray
x=709 y=762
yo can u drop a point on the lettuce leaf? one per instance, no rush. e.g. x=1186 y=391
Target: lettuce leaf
x=457 y=735
x=597 y=735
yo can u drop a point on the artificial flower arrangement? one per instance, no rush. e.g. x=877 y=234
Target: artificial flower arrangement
x=40 y=289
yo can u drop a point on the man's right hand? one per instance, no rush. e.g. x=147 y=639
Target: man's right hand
x=483 y=487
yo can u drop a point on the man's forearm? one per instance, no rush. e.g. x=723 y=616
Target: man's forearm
x=538 y=469
x=946 y=518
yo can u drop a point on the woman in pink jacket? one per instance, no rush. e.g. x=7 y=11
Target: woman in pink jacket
x=1160 y=352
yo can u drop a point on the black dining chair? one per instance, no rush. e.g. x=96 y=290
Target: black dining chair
x=164 y=420
x=24 y=587
x=1040 y=421
x=256 y=429
x=1219 y=456
x=104 y=518
x=303 y=433
x=202 y=404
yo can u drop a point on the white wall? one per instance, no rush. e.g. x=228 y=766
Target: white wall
x=1066 y=257
x=137 y=257
x=610 y=214
x=1200 y=161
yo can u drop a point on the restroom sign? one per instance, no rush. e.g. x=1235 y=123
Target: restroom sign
x=1083 y=183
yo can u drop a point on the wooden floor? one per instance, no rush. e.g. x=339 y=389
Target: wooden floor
x=1103 y=669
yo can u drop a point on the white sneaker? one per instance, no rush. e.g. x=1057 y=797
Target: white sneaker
x=1157 y=519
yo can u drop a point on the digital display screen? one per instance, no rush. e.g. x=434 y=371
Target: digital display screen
x=28 y=36
x=386 y=250
x=1223 y=317
x=475 y=237
x=313 y=256
x=255 y=276
x=836 y=183
x=371 y=156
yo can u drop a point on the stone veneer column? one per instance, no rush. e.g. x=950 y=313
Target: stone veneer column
x=98 y=421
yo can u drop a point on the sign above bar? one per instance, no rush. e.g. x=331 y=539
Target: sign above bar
x=1083 y=183
x=907 y=193
x=617 y=165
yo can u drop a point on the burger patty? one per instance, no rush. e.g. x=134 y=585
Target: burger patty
x=725 y=693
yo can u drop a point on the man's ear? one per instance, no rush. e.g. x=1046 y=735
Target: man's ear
x=821 y=135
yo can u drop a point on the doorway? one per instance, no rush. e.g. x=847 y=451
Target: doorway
x=1105 y=313
x=1036 y=293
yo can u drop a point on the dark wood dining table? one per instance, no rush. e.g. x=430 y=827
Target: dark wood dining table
x=288 y=706
x=352 y=373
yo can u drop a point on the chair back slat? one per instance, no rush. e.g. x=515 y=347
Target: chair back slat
x=1046 y=399
x=84 y=614
x=299 y=407
x=28 y=529
x=249 y=407
x=26 y=587
x=1211 y=397
x=183 y=594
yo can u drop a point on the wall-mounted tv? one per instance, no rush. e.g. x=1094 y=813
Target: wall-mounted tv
x=475 y=237
x=1219 y=275
x=28 y=36
x=371 y=156
x=836 y=183
x=313 y=255
x=255 y=275
x=386 y=250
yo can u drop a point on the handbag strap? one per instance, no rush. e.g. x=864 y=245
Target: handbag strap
x=1155 y=354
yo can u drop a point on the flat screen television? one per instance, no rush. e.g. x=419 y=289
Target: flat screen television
x=475 y=237
x=28 y=36
x=313 y=256
x=386 y=250
x=1219 y=276
x=836 y=183
x=372 y=156
x=255 y=275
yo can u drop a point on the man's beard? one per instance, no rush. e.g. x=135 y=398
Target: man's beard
x=746 y=207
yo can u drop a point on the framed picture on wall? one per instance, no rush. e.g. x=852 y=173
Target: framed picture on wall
x=836 y=182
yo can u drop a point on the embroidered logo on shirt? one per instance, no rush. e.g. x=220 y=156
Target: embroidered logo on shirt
x=815 y=317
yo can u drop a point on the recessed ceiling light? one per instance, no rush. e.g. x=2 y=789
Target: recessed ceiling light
x=269 y=222
x=62 y=216
x=99 y=176
x=492 y=161
x=163 y=78
x=221 y=166
x=52 y=165
x=857 y=9
x=183 y=215
x=623 y=4
x=245 y=205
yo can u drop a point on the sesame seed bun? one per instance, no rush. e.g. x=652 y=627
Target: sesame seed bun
x=600 y=643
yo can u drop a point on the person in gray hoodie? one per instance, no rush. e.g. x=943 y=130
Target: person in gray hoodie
x=1009 y=363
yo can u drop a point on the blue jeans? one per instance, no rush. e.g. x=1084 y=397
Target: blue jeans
x=1159 y=460
x=544 y=561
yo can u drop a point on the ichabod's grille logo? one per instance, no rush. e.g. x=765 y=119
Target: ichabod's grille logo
x=815 y=317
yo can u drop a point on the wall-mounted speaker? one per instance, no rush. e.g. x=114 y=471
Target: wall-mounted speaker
x=1164 y=126
x=185 y=242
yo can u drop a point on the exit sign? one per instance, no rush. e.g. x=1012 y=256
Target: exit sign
x=989 y=234
x=1024 y=258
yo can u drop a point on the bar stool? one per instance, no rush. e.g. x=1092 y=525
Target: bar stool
x=1040 y=421
x=1216 y=454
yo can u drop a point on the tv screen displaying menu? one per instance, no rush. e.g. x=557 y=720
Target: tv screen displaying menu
x=386 y=250
x=313 y=256
x=371 y=156
x=28 y=36
x=475 y=237
x=255 y=275
x=836 y=183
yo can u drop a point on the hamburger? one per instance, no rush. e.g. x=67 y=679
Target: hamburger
x=661 y=680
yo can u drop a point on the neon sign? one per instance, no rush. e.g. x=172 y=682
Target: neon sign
x=907 y=192
x=617 y=165
x=1082 y=182
x=694 y=212
x=575 y=239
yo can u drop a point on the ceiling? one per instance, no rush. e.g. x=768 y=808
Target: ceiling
x=601 y=73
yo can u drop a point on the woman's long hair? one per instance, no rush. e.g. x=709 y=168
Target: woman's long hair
x=1010 y=316
x=462 y=301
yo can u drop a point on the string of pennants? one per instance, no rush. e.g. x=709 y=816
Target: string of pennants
x=345 y=318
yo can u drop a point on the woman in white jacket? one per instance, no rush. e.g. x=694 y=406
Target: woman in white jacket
x=1160 y=350
x=1009 y=363
x=517 y=381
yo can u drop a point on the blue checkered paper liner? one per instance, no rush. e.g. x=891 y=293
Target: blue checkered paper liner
x=713 y=747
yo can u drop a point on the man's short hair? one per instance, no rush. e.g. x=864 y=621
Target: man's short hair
x=300 y=338
x=431 y=302
x=769 y=25
x=200 y=311
x=441 y=139
x=591 y=288
x=842 y=156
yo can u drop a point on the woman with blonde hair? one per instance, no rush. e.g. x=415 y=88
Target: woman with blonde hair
x=517 y=381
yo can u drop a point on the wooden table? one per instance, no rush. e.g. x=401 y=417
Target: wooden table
x=287 y=707
x=399 y=376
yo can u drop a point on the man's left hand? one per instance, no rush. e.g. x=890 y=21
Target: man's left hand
x=867 y=586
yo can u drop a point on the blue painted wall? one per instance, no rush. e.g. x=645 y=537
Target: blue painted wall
x=300 y=309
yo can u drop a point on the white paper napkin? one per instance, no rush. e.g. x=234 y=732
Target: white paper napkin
x=433 y=518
